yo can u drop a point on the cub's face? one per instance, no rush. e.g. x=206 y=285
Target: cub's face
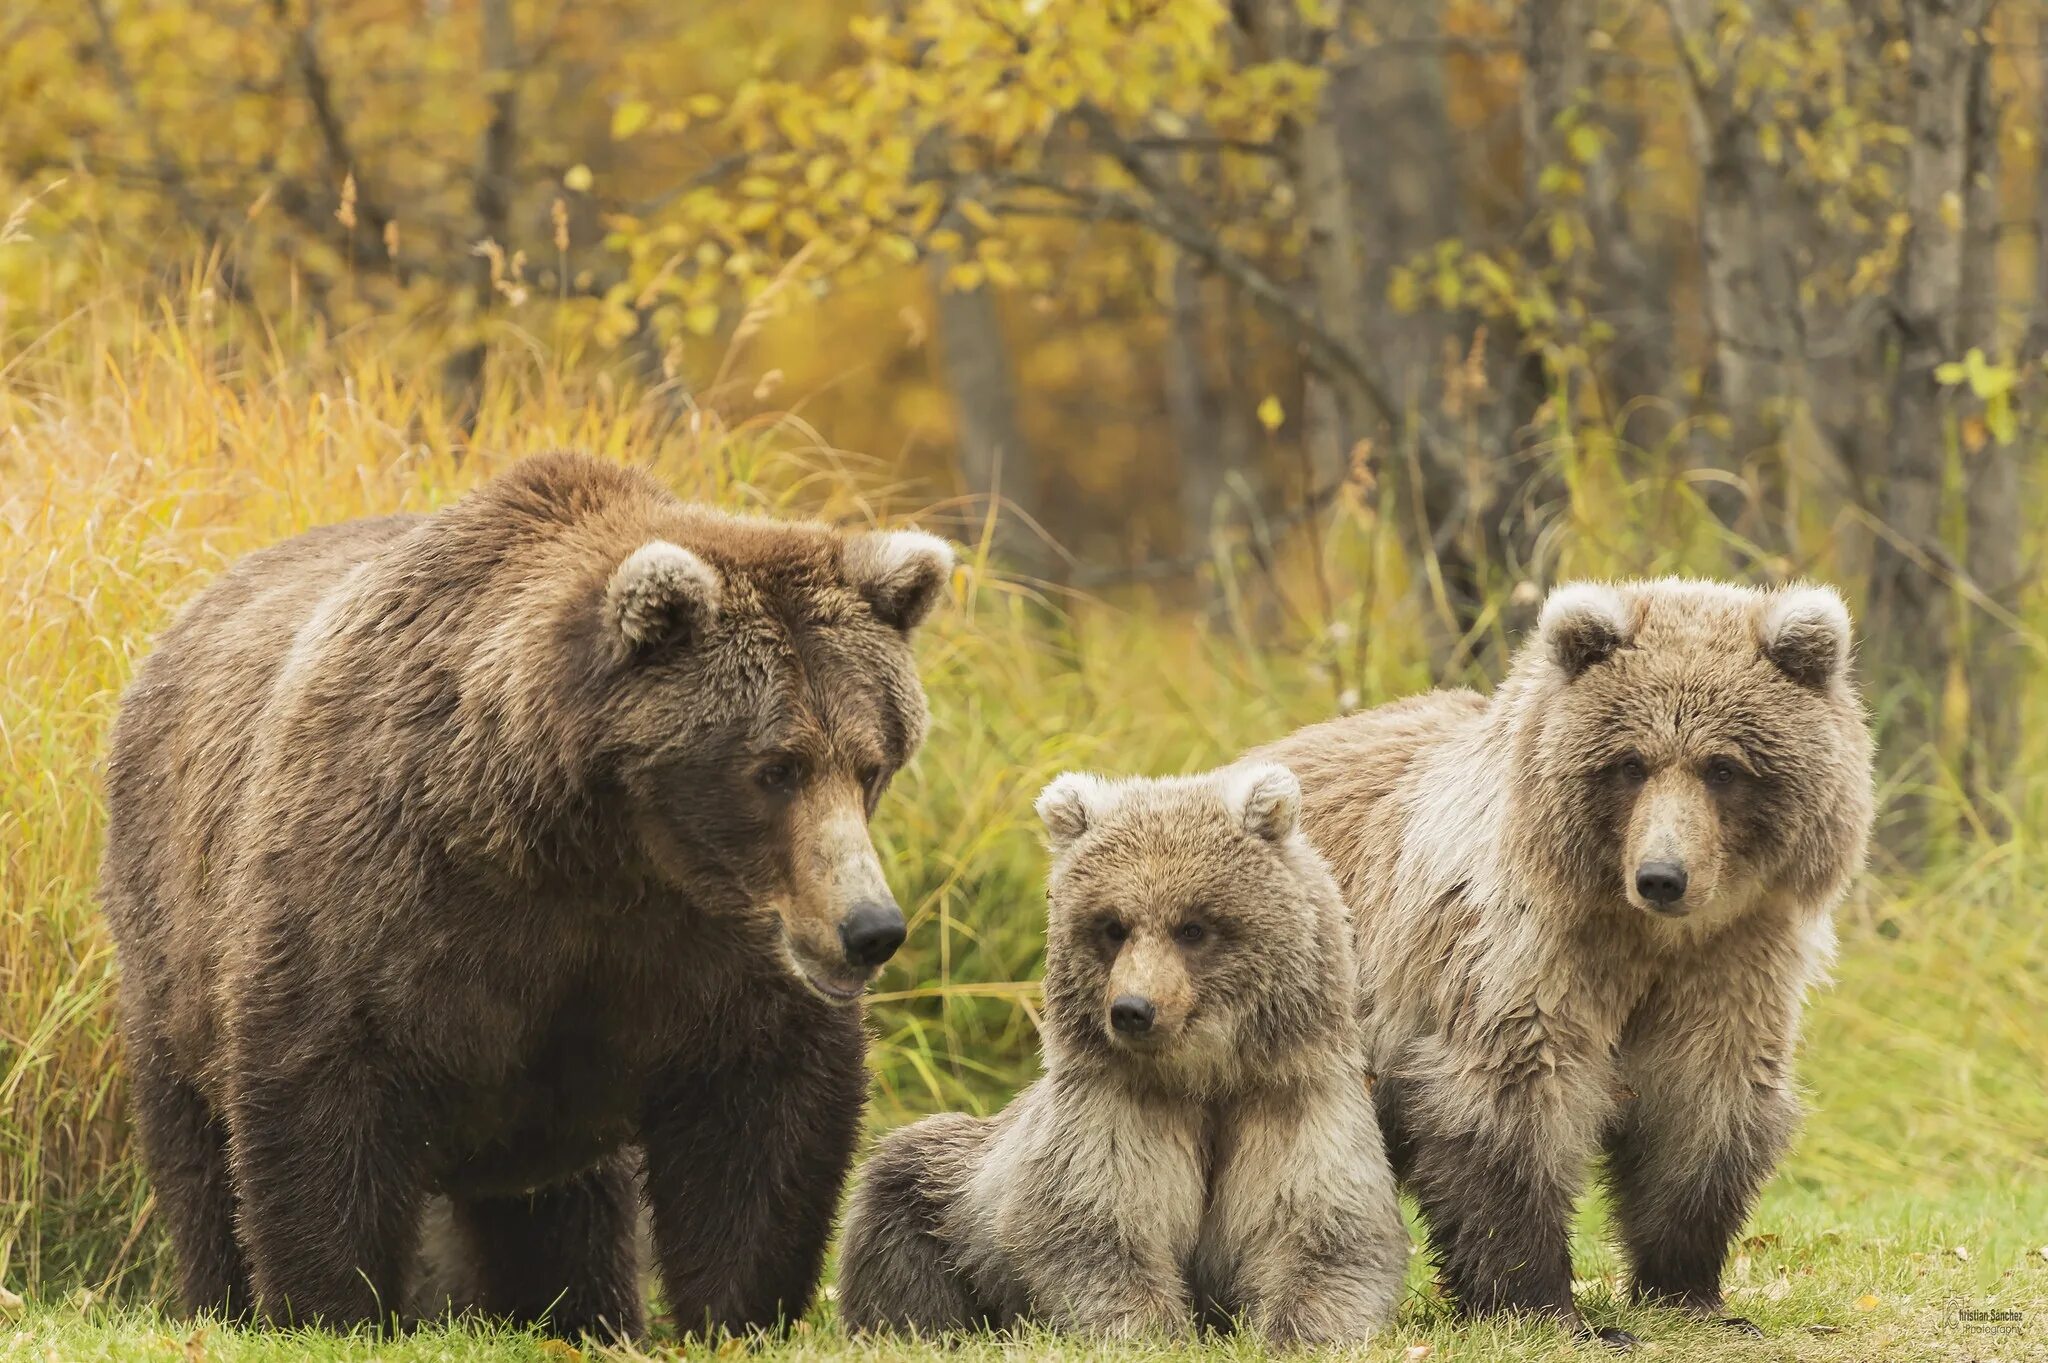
x=765 y=696
x=1181 y=939
x=1698 y=747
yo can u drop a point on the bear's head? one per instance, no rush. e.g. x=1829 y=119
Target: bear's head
x=1194 y=938
x=1691 y=750
x=761 y=694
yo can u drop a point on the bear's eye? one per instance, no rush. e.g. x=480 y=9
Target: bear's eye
x=1188 y=934
x=873 y=782
x=1632 y=769
x=1722 y=772
x=780 y=775
x=1114 y=932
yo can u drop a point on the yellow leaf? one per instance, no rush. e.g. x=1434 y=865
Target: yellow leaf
x=979 y=215
x=1952 y=211
x=964 y=278
x=1867 y=1302
x=578 y=178
x=1271 y=413
x=703 y=106
x=630 y=118
x=702 y=319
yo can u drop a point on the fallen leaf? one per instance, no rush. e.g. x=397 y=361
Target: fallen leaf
x=1415 y=1352
x=1867 y=1302
x=11 y=1303
x=1961 y=1252
x=560 y=1352
x=1823 y=1329
x=1271 y=413
x=195 y=1346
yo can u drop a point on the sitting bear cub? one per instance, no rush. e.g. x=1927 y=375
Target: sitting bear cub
x=1202 y=1141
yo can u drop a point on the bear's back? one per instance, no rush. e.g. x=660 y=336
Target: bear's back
x=1349 y=766
x=178 y=758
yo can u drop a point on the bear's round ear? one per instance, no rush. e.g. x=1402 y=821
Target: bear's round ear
x=1266 y=798
x=660 y=593
x=900 y=573
x=1805 y=631
x=1071 y=804
x=1582 y=624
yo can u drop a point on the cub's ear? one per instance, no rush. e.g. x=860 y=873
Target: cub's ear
x=1805 y=631
x=1072 y=804
x=899 y=572
x=1582 y=623
x=1266 y=798
x=661 y=592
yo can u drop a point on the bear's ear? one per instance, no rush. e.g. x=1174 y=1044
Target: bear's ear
x=661 y=592
x=900 y=573
x=1805 y=631
x=1582 y=623
x=1266 y=798
x=1072 y=804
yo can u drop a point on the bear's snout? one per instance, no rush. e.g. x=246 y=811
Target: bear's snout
x=871 y=933
x=1662 y=885
x=1132 y=1015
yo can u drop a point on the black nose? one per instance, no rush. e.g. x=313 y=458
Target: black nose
x=1661 y=882
x=871 y=934
x=1131 y=1015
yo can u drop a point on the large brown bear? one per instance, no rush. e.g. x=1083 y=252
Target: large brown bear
x=1588 y=910
x=491 y=854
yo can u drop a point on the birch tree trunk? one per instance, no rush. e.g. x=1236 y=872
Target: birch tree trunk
x=995 y=460
x=1909 y=614
x=1993 y=557
x=1750 y=294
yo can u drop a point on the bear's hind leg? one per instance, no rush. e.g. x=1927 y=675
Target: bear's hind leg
x=894 y=1272
x=184 y=1148
x=566 y=1254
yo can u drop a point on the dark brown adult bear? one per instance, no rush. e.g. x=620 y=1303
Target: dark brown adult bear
x=465 y=854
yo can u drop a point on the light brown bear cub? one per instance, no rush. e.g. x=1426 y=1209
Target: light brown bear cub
x=1203 y=1139
x=1588 y=910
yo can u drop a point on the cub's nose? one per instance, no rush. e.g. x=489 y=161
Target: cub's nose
x=1661 y=882
x=1131 y=1015
x=871 y=934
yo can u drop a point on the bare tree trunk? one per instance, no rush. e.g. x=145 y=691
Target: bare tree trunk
x=1909 y=615
x=2037 y=330
x=1194 y=408
x=492 y=195
x=1991 y=479
x=1751 y=295
x=995 y=461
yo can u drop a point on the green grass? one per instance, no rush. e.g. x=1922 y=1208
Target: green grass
x=1888 y=1277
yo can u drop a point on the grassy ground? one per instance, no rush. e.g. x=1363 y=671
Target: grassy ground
x=1894 y=1278
x=142 y=449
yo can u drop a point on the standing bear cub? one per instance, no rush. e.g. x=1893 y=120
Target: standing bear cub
x=1588 y=911
x=1202 y=1142
x=495 y=855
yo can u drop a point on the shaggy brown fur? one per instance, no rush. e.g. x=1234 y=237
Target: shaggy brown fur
x=1202 y=1141
x=1588 y=911
x=462 y=853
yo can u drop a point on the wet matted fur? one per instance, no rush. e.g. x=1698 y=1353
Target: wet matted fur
x=1534 y=994
x=487 y=853
x=1223 y=1162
